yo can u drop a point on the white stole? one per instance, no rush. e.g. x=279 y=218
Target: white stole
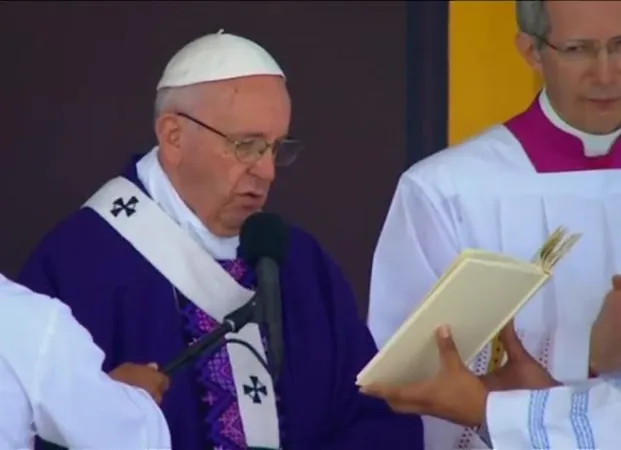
x=190 y=269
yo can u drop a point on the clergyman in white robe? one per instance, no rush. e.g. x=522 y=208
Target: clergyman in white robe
x=507 y=190
x=51 y=383
x=580 y=416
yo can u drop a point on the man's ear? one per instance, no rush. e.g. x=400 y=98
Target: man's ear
x=168 y=132
x=528 y=47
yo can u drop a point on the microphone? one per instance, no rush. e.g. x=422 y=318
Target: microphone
x=232 y=323
x=263 y=243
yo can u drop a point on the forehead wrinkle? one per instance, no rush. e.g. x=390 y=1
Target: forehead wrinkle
x=220 y=103
x=230 y=92
x=215 y=100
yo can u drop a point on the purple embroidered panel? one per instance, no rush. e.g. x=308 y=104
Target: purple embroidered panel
x=223 y=425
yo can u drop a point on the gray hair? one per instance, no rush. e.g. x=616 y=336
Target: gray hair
x=165 y=100
x=532 y=18
x=176 y=99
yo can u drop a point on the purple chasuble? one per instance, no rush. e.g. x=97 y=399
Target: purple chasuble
x=551 y=149
x=135 y=314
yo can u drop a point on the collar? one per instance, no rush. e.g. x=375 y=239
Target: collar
x=594 y=144
x=157 y=184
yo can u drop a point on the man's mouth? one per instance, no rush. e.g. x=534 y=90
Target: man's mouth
x=604 y=103
x=252 y=194
x=251 y=199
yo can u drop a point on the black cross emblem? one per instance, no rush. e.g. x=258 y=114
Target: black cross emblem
x=120 y=205
x=255 y=390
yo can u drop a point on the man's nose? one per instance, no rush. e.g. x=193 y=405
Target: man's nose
x=604 y=69
x=264 y=168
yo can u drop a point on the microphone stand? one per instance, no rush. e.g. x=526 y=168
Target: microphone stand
x=232 y=323
x=269 y=313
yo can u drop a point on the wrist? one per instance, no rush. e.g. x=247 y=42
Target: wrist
x=481 y=407
x=484 y=408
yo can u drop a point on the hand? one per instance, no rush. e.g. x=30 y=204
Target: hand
x=455 y=394
x=146 y=377
x=521 y=371
x=605 y=353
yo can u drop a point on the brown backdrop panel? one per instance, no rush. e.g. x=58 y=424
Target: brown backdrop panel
x=77 y=88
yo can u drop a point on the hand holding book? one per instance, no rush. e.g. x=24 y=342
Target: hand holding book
x=476 y=297
x=455 y=393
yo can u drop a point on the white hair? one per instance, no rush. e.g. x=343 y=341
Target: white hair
x=168 y=100
x=185 y=99
x=532 y=18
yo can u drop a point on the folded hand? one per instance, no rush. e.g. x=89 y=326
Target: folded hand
x=606 y=333
x=146 y=377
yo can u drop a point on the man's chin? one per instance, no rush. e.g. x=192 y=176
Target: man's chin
x=242 y=212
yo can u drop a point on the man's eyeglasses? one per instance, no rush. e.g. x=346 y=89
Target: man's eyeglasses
x=585 y=51
x=251 y=149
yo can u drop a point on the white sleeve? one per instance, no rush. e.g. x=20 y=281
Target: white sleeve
x=76 y=405
x=417 y=244
x=583 y=416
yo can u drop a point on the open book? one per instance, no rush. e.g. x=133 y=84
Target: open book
x=477 y=296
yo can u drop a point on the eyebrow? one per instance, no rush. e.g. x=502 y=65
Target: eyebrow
x=256 y=135
x=249 y=134
x=583 y=40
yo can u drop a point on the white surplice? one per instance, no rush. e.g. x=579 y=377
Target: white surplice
x=485 y=193
x=583 y=416
x=51 y=383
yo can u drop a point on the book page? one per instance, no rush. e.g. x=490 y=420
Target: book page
x=555 y=248
x=481 y=255
x=484 y=255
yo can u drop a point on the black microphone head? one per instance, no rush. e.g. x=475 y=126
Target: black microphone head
x=264 y=235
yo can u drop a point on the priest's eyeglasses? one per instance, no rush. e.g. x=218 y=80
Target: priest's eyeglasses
x=251 y=149
x=586 y=51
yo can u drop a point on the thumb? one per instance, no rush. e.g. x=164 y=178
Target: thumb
x=616 y=282
x=449 y=355
x=153 y=366
x=512 y=344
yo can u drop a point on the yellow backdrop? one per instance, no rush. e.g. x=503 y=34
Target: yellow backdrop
x=488 y=80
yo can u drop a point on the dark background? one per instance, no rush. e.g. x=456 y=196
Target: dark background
x=78 y=81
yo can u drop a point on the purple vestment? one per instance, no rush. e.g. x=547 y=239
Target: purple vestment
x=134 y=315
x=551 y=149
